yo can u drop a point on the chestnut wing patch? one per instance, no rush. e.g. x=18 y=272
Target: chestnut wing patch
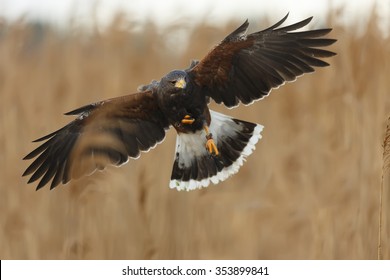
x=244 y=68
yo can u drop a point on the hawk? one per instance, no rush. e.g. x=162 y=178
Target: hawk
x=210 y=146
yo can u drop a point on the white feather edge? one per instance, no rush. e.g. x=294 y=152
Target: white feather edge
x=225 y=172
x=94 y=170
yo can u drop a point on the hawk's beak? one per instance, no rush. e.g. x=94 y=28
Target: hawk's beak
x=180 y=83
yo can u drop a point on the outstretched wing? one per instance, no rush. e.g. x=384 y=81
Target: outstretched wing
x=107 y=132
x=246 y=68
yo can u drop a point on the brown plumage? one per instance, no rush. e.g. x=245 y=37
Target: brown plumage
x=110 y=131
x=210 y=146
x=245 y=68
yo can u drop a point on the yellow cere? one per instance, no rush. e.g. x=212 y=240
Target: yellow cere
x=180 y=83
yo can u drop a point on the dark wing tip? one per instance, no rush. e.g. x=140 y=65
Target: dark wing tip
x=238 y=33
x=25 y=173
x=244 y=26
x=26 y=158
x=36 y=151
x=44 y=138
x=330 y=54
x=50 y=135
x=81 y=110
x=296 y=26
x=323 y=64
x=280 y=22
x=41 y=184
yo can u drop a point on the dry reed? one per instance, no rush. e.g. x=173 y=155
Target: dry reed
x=384 y=193
x=308 y=192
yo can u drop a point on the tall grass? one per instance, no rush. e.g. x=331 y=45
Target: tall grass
x=384 y=206
x=310 y=191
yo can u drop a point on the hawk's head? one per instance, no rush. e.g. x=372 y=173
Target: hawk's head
x=174 y=82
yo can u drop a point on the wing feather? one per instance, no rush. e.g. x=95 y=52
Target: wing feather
x=107 y=132
x=246 y=68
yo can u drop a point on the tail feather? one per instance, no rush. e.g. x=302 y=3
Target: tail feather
x=195 y=168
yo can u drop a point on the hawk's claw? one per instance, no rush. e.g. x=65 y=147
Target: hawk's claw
x=187 y=120
x=211 y=147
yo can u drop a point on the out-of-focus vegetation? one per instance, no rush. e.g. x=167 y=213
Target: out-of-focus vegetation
x=310 y=190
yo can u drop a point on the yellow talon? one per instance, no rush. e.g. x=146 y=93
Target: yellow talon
x=187 y=120
x=211 y=147
x=184 y=121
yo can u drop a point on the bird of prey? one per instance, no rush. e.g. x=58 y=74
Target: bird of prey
x=210 y=146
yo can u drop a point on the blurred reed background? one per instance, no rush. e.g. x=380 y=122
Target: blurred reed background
x=310 y=190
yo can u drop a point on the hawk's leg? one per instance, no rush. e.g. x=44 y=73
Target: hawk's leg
x=210 y=144
x=187 y=120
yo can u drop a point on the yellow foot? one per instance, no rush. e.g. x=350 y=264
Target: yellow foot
x=187 y=120
x=211 y=147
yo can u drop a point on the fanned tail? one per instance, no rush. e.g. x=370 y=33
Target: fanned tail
x=195 y=168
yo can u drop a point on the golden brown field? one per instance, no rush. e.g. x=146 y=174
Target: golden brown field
x=310 y=191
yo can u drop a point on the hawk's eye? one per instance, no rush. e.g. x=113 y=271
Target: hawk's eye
x=172 y=82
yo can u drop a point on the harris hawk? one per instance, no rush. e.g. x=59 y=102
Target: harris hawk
x=210 y=146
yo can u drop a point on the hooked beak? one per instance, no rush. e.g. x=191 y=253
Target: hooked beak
x=180 y=83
